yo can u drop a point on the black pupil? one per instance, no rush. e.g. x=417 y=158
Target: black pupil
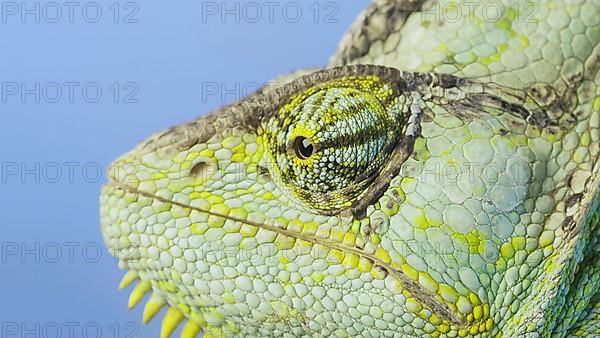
x=304 y=147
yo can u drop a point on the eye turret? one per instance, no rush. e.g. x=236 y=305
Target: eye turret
x=331 y=141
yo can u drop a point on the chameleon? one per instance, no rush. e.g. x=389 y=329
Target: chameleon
x=438 y=178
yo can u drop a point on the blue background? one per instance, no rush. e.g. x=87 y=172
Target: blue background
x=169 y=55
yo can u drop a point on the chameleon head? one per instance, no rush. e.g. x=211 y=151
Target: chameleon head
x=246 y=220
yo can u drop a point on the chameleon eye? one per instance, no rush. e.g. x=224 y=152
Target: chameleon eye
x=304 y=147
x=329 y=142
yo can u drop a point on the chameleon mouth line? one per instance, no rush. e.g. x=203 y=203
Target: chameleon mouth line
x=423 y=296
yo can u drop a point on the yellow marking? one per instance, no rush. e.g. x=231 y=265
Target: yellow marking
x=310 y=228
x=410 y=272
x=365 y=265
x=228 y=298
x=199 y=228
x=317 y=276
x=474 y=241
x=507 y=251
x=248 y=230
x=190 y=330
x=351 y=260
x=158 y=176
x=138 y=293
x=413 y=305
x=448 y=293
x=170 y=322
x=128 y=278
x=153 y=306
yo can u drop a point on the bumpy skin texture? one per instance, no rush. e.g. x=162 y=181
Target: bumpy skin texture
x=367 y=201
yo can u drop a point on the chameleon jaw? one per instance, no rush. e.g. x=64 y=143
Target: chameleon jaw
x=380 y=261
x=173 y=317
x=156 y=302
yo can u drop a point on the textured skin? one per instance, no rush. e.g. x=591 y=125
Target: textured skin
x=430 y=206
